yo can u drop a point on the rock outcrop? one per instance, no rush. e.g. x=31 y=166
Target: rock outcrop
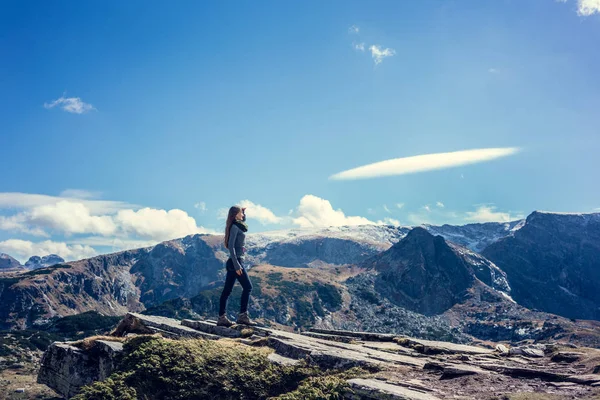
x=403 y=368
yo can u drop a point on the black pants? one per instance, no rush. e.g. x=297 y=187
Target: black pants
x=229 y=282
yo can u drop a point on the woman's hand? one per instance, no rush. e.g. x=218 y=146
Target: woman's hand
x=239 y=272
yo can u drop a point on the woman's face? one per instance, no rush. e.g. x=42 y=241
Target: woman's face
x=240 y=215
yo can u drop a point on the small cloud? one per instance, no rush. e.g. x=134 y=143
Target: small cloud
x=353 y=29
x=585 y=8
x=493 y=70
x=371 y=211
x=201 y=206
x=440 y=204
x=462 y=176
x=389 y=221
x=427 y=208
x=386 y=209
x=359 y=46
x=70 y=104
x=314 y=211
x=422 y=163
x=379 y=54
x=399 y=205
x=489 y=214
x=260 y=213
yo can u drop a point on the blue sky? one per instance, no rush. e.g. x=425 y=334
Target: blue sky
x=128 y=123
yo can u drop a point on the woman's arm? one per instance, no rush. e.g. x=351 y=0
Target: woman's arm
x=233 y=231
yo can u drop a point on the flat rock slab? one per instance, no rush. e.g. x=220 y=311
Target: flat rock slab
x=392 y=348
x=528 y=373
x=455 y=370
x=566 y=356
x=280 y=360
x=367 y=336
x=333 y=338
x=170 y=325
x=295 y=346
x=589 y=379
x=373 y=389
x=213 y=329
x=435 y=347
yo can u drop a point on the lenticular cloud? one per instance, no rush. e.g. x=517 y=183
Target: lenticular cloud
x=424 y=162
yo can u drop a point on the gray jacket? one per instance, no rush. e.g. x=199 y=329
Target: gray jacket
x=237 y=237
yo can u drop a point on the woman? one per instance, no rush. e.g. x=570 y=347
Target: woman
x=235 y=235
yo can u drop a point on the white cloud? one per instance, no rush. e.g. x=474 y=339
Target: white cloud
x=353 y=29
x=23 y=249
x=70 y=104
x=359 y=46
x=371 y=211
x=588 y=7
x=493 y=70
x=399 y=205
x=421 y=163
x=158 y=224
x=440 y=204
x=115 y=243
x=24 y=201
x=585 y=8
x=427 y=208
x=70 y=218
x=260 y=213
x=314 y=211
x=385 y=207
x=389 y=221
x=488 y=214
x=379 y=54
x=18 y=223
x=200 y=206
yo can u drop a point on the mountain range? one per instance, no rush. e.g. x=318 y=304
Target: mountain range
x=8 y=263
x=527 y=279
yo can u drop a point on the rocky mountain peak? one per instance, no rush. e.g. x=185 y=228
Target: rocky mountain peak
x=428 y=275
x=36 y=262
x=8 y=263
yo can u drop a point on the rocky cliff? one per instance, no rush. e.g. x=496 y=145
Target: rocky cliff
x=553 y=263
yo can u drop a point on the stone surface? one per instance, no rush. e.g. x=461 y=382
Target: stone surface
x=566 y=356
x=212 y=329
x=376 y=390
x=435 y=347
x=502 y=349
x=380 y=337
x=66 y=368
x=281 y=360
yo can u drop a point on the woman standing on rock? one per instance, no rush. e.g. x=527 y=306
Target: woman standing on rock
x=235 y=236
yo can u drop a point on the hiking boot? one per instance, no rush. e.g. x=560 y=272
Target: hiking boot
x=224 y=321
x=243 y=319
